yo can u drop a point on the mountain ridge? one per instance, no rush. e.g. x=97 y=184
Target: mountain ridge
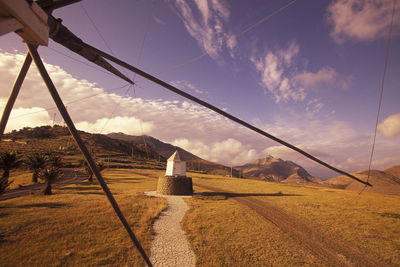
x=277 y=170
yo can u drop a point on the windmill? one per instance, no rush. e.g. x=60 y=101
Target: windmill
x=33 y=21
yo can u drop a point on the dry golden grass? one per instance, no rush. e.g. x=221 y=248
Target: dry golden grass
x=77 y=226
x=239 y=236
x=20 y=178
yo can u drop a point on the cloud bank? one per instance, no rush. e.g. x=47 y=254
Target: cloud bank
x=182 y=123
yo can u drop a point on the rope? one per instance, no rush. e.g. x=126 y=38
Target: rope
x=381 y=91
x=264 y=19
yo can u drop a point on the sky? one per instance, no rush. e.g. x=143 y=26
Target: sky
x=309 y=72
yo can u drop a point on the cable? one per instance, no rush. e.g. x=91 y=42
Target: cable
x=115 y=109
x=219 y=111
x=194 y=59
x=264 y=19
x=139 y=63
x=97 y=29
x=381 y=91
x=98 y=32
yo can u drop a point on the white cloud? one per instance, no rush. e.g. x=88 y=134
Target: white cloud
x=287 y=82
x=205 y=21
x=229 y=151
x=158 y=20
x=326 y=75
x=390 y=127
x=272 y=68
x=314 y=106
x=198 y=129
x=361 y=20
x=185 y=85
x=127 y=125
x=36 y=117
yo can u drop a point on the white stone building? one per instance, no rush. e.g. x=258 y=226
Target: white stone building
x=175 y=166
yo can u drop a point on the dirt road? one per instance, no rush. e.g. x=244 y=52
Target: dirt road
x=329 y=249
x=70 y=176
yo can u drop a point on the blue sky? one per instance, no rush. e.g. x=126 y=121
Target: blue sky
x=310 y=74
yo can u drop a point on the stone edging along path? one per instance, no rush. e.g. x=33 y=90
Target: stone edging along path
x=169 y=246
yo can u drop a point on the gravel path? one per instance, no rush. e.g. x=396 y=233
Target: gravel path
x=169 y=246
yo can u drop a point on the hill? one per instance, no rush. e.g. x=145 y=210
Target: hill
x=164 y=149
x=277 y=170
x=193 y=162
x=384 y=182
x=115 y=153
x=116 y=150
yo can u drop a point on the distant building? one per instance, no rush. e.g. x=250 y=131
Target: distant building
x=175 y=166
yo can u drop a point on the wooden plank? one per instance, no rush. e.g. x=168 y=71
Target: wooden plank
x=34 y=20
x=9 y=25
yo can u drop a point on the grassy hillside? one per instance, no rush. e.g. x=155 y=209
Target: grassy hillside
x=384 y=182
x=115 y=153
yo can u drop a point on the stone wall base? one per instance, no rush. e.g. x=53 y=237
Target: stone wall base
x=174 y=185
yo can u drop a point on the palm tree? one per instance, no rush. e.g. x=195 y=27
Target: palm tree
x=8 y=161
x=35 y=162
x=54 y=160
x=49 y=175
x=100 y=167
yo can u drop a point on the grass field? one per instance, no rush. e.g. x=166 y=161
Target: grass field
x=76 y=225
x=239 y=236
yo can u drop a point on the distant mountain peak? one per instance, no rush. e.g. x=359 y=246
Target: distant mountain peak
x=277 y=170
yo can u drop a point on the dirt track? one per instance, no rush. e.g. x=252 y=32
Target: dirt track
x=329 y=249
x=70 y=176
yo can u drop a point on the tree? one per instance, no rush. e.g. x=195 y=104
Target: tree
x=35 y=162
x=54 y=160
x=100 y=167
x=8 y=161
x=50 y=172
x=49 y=175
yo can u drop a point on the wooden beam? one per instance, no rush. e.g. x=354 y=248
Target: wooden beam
x=33 y=19
x=9 y=25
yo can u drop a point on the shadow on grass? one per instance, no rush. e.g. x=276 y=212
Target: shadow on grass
x=79 y=188
x=122 y=180
x=225 y=195
x=94 y=193
x=42 y=205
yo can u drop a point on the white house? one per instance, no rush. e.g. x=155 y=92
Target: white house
x=175 y=166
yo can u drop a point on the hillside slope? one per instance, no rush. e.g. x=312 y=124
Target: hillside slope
x=193 y=162
x=164 y=149
x=384 y=182
x=277 y=170
x=56 y=139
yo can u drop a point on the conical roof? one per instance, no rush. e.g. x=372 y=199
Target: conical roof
x=175 y=157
